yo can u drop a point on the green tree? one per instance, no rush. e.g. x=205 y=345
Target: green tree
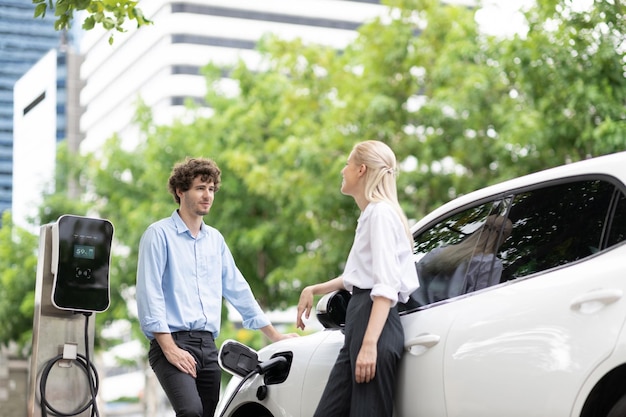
x=18 y=264
x=569 y=72
x=69 y=195
x=462 y=110
x=487 y=115
x=496 y=107
x=110 y=14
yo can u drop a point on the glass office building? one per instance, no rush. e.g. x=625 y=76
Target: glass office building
x=23 y=41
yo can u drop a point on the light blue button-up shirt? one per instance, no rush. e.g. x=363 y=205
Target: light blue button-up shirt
x=181 y=280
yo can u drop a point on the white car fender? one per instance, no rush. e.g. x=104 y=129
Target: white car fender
x=302 y=388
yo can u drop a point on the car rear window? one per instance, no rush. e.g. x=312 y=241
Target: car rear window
x=559 y=224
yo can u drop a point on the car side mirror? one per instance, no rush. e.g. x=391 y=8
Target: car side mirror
x=237 y=358
x=331 y=309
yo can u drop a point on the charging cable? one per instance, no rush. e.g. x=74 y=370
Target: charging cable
x=86 y=365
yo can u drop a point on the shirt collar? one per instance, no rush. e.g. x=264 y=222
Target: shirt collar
x=181 y=227
x=365 y=213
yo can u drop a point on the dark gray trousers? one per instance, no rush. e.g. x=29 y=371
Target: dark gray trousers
x=189 y=396
x=343 y=397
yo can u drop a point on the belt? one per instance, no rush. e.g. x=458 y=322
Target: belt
x=192 y=334
x=357 y=290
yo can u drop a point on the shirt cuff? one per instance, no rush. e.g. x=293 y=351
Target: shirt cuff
x=256 y=322
x=382 y=290
x=153 y=326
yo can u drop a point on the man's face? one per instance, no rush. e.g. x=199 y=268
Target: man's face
x=199 y=198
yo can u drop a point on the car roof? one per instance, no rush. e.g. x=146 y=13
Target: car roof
x=613 y=165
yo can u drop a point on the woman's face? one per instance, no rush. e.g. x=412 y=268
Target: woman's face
x=351 y=173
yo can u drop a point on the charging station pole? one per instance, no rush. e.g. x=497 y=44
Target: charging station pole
x=61 y=331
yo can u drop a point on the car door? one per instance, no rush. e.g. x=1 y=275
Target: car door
x=434 y=308
x=527 y=346
x=520 y=344
x=420 y=389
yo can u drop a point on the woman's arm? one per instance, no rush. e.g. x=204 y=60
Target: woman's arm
x=366 y=360
x=305 y=304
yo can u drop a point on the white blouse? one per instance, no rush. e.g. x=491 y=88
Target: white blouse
x=381 y=258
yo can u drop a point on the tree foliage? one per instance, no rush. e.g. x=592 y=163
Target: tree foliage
x=487 y=115
x=109 y=14
x=462 y=110
x=18 y=263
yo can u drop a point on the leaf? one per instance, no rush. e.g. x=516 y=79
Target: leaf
x=40 y=10
x=89 y=23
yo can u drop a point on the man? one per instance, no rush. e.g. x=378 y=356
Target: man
x=184 y=269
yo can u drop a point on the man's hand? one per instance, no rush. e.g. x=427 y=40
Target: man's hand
x=178 y=357
x=274 y=335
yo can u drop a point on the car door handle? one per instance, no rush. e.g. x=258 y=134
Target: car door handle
x=596 y=299
x=420 y=343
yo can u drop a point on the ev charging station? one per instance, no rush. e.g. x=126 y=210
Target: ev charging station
x=72 y=283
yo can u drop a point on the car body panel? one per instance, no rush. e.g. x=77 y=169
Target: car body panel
x=313 y=357
x=318 y=370
x=425 y=333
x=535 y=330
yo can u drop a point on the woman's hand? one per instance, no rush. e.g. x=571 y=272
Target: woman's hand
x=305 y=304
x=366 y=363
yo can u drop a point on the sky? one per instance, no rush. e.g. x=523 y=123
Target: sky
x=502 y=18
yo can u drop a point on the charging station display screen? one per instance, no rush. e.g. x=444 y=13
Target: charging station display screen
x=83 y=254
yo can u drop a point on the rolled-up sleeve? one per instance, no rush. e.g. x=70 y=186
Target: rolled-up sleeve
x=386 y=264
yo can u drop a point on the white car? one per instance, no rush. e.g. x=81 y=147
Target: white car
x=536 y=329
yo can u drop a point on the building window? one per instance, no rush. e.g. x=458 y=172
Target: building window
x=36 y=101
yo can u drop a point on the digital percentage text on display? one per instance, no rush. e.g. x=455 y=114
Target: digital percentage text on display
x=85 y=252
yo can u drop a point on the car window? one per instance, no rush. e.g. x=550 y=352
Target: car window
x=617 y=232
x=460 y=254
x=535 y=230
x=557 y=225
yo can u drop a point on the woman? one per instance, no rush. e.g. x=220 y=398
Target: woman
x=380 y=273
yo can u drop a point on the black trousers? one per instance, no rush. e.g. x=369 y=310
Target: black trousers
x=189 y=396
x=343 y=397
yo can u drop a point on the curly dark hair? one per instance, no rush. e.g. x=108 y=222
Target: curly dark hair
x=185 y=172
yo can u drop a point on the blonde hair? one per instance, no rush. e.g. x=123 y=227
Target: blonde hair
x=487 y=239
x=380 y=176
